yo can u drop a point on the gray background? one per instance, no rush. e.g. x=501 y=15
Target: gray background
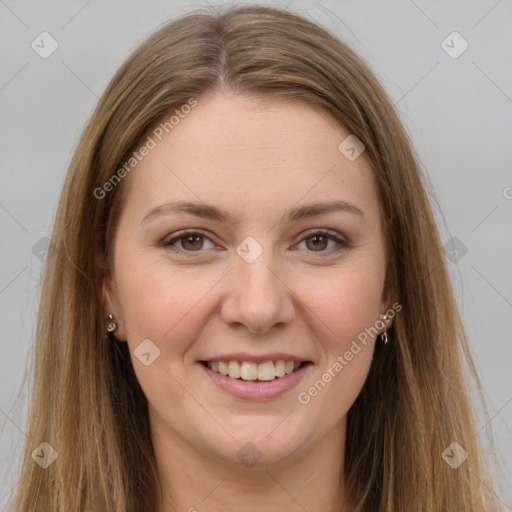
x=458 y=112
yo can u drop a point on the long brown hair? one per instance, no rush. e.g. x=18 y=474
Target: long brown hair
x=86 y=401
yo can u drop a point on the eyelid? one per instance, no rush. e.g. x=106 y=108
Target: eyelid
x=324 y=232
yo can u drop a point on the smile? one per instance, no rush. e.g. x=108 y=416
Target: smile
x=253 y=381
x=249 y=370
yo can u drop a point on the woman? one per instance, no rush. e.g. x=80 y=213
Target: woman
x=247 y=306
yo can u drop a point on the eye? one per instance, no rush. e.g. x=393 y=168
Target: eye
x=318 y=241
x=189 y=241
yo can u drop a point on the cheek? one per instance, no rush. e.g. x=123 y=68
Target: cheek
x=345 y=307
x=161 y=301
x=345 y=301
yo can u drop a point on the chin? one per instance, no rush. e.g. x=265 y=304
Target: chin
x=260 y=444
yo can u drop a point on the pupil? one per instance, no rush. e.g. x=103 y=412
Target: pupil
x=190 y=240
x=320 y=241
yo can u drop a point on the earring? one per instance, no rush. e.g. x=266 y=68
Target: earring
x=110 y=325
x=384 y=335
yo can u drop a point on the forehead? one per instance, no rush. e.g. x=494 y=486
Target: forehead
x=249 y=154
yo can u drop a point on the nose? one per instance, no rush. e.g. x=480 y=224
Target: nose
x=258 y=298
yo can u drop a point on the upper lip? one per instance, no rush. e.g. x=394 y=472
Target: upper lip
x=256 y=358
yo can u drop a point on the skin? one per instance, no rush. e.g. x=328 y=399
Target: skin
x=255 y=158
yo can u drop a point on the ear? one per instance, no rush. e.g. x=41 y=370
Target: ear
x=110 y=302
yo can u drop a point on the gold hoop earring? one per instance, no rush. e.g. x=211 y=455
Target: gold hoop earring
x=384 y=335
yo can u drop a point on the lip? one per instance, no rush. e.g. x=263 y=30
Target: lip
x=256 y=391
x=261 y=358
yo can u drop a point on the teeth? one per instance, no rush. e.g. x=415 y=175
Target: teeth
x=248 y=370
x=279 y=368
x=266 y=371
x=233 y=369
x=223 y=368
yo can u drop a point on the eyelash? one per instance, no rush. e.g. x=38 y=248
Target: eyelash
x=343 y=243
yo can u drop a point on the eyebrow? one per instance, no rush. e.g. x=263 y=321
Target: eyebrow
x=214 y=213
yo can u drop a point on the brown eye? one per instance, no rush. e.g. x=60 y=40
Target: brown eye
x=190 y=241
x=318 y=242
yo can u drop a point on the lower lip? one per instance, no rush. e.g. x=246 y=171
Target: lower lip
x=257 y=390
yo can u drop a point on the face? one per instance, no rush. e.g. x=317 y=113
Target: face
x=252 y=274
